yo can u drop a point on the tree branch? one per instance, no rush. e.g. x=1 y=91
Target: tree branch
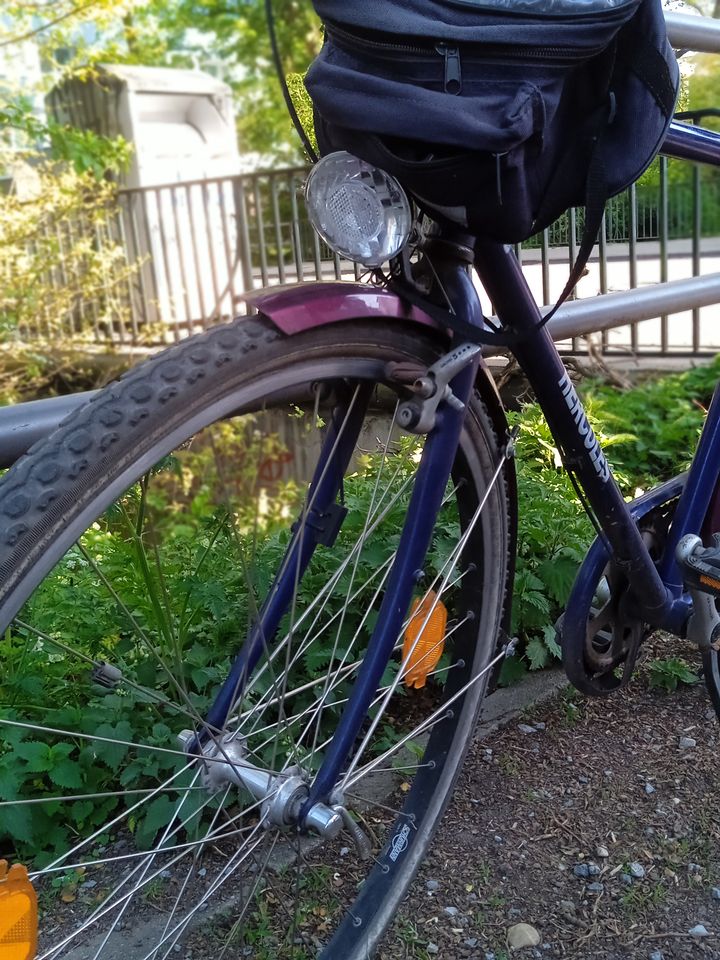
x=20 y=38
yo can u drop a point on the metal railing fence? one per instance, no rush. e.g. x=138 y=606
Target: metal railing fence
x=200 y=245
x=197 y=246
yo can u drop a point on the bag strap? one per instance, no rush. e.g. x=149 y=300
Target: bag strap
x=650 y=66
x=596 y=195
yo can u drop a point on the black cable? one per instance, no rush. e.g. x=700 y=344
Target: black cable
x=580 y=493
x=270 y=17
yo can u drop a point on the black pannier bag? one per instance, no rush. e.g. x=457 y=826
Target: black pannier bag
x=497 y=115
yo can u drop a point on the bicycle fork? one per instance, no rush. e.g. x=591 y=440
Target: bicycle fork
x=437 y=410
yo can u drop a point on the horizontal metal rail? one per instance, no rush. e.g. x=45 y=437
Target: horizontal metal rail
x=582 y=317
x=23 y=424
x=699 y=34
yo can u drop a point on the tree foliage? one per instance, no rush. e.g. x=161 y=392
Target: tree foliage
x=235 y=35
x=55 y=23
x=60 y=265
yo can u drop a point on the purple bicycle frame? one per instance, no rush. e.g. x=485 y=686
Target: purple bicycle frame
x=656 y=589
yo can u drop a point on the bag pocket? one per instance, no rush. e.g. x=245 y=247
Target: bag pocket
x=470 y=156
x=495 y=195
x=411 y=100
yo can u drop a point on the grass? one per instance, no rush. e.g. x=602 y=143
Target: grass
x=643 y=897
x=572 y=706
x=154 y=889
x=510 y=766
x=414 y=945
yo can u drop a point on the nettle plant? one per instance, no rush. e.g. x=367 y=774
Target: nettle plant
x=188 y=573
x=649 y=433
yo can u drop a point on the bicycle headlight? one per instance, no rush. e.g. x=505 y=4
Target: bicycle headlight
x=360 y=211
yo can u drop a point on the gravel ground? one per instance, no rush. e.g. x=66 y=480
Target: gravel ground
x=593 y=821
x=587 y=828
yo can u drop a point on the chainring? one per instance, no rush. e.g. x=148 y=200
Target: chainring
x=599 y=634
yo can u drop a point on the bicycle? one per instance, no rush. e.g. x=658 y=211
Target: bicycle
x=303 y=771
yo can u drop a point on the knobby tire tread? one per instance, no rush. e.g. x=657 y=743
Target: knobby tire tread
x=82 y=450
x=66 y=471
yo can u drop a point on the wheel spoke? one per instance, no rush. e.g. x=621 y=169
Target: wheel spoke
x=181 y=892
x=105 y=910
x=68 y=798
x=144 y=691
x=235 y=862
x=144 y=867
x=325 y=594
x=106 y=827
x=346 y=603
x=444 y=576
x=166 y=584
x=435 y=717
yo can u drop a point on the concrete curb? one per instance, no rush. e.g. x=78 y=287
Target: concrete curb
x=507 y=703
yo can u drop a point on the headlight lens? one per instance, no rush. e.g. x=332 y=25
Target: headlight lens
x=360 y=211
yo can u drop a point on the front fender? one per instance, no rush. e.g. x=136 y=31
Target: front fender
x=304 y=306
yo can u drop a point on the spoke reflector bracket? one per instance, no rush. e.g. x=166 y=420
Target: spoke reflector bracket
x=18 y=913
x=107 y=675
x=424 y=639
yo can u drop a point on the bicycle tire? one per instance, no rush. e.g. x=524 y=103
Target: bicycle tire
x=69 y=481
x=711 y=675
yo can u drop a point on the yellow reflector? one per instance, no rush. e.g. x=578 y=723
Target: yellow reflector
x=18 y=914
x=424 y=641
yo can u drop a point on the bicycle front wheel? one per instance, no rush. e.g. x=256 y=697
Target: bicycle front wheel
x=139 y=545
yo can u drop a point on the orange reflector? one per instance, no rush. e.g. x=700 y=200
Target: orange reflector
x=18 y=914
x=424 y=641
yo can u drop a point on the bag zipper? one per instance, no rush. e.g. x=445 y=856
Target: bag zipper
x=451 y=52
x=453 y=70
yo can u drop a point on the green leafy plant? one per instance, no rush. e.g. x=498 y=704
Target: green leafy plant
x=649 y=434
x=671 y=672
x=186 y=576
x=211 y=568
x=51 y=227
x=553 y=536
x=655 y=425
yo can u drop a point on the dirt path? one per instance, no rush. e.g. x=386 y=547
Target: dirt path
x=595 y=822
x=588 y=820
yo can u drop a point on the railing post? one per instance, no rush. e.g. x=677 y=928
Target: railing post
x=663 y=231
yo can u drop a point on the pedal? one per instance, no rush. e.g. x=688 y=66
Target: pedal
x=700 y=565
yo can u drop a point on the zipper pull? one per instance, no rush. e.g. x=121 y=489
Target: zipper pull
x=453 y=73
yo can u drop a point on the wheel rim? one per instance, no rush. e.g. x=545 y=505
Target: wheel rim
x=188 y=824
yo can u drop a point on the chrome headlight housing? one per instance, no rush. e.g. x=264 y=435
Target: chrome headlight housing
x=360 y=211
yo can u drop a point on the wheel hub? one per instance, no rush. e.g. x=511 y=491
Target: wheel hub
x=282 y=795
